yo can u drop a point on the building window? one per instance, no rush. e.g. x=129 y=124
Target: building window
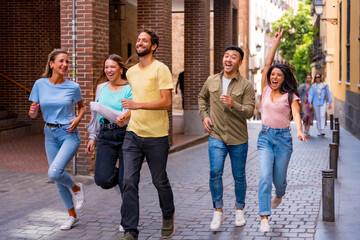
x=348 y=42
x=129 y=47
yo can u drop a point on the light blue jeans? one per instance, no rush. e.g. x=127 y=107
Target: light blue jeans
x=274 y=151
x=218 y=151
x=61 y=146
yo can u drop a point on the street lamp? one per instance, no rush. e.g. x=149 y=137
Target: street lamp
x=319 y=6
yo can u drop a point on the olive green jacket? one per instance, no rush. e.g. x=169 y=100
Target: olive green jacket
x=229 y=123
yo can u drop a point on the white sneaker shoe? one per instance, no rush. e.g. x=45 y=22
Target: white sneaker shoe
x=275 y=201
x=79 y=197
x=67 y=225
x=121 y=229
x=264 y=225
x=239 y=218
x=217 y=220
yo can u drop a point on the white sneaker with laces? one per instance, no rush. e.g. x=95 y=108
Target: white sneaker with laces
x=121 y=229
x=264 y=225
x=217 y=220
x=67 y=225
x=239 y=218
x=275 y=201
x=79 y=197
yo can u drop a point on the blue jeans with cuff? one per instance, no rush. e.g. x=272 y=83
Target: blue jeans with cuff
x=61 y=146
x=274 y=151
x=218 y=151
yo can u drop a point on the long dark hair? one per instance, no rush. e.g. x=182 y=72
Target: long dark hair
x=289 y=85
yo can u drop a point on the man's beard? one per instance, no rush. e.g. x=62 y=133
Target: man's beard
x=143 y=53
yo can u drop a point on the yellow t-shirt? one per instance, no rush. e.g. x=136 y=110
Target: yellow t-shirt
x=146 y=84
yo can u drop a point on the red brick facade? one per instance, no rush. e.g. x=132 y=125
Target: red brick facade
x=243 y=21
x=29 y=30
x=197 y=49
x=92 y=47
x=223 y=30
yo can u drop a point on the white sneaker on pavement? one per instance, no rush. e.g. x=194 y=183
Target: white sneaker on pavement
x=121 y=229
x=264 y=225
x=79 y=197
x=239 y=218
x=275 y=201
x=67 y=225
x=217 y=220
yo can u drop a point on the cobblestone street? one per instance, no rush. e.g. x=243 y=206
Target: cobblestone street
x=31 y=207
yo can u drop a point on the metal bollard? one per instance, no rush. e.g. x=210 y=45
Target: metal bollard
x=331 y=121
x=337 y=128
x=333 y=158
x=336 y=137
x=328 y=195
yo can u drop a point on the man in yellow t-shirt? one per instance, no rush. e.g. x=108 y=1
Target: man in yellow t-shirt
x=147 y=135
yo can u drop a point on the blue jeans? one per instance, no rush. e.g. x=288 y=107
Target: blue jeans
x=274 y=151
x=156 y=150
x=218 y=151
x=108 y=151
x=61 y=146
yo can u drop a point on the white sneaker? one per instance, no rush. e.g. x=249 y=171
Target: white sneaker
x=67 y=225
x=79 y=197
x=264 y=225
x=217 y=220
x=275 y=201
x=121 y=229
x=239 y=218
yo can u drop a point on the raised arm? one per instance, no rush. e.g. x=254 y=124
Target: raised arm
x=270 y=57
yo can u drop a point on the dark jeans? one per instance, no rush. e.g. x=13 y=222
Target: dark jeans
x=109 y=145
x=155 y=150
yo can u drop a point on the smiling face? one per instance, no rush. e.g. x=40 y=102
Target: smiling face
x=143 y=44
x=112 y=70
x=276 y=78
x=318 y=78
x=308 y=79
x=61 y=64
x=231 y=61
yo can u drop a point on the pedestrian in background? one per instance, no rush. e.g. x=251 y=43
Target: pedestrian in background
x=110 y=87
x=307 y=112
x=180 y=84
x=147 y=135
x=319 y=95
x=56 y=95
x=280 y=99
x=230 y=99
x=257 y=112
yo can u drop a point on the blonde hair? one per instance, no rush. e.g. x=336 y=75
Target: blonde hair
x=51 y=58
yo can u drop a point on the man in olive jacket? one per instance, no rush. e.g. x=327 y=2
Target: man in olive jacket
x=231 y=100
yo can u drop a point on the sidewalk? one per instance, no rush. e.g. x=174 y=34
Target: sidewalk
x=347 y=193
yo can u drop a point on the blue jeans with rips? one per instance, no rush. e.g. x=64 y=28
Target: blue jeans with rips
x=274 y=151
x=61 y=146
x=218 y=151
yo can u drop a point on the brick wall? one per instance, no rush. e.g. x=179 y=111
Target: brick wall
x=156 y=15
x=222 y=31
x=243 y=13
x=197 y=49
x=29 y=31
x=92 y=46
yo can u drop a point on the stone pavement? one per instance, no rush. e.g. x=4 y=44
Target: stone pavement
x=31 y=207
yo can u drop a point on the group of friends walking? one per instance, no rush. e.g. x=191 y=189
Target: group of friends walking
x=129 y=122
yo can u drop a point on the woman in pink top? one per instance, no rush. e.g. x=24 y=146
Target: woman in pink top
x=280 y=97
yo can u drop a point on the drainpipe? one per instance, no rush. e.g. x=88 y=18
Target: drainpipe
x=73 y=67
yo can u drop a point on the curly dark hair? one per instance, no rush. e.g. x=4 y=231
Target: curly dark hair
x=289 y=85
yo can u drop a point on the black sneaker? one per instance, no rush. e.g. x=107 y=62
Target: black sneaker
x=168 y=228
x=128 y=236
